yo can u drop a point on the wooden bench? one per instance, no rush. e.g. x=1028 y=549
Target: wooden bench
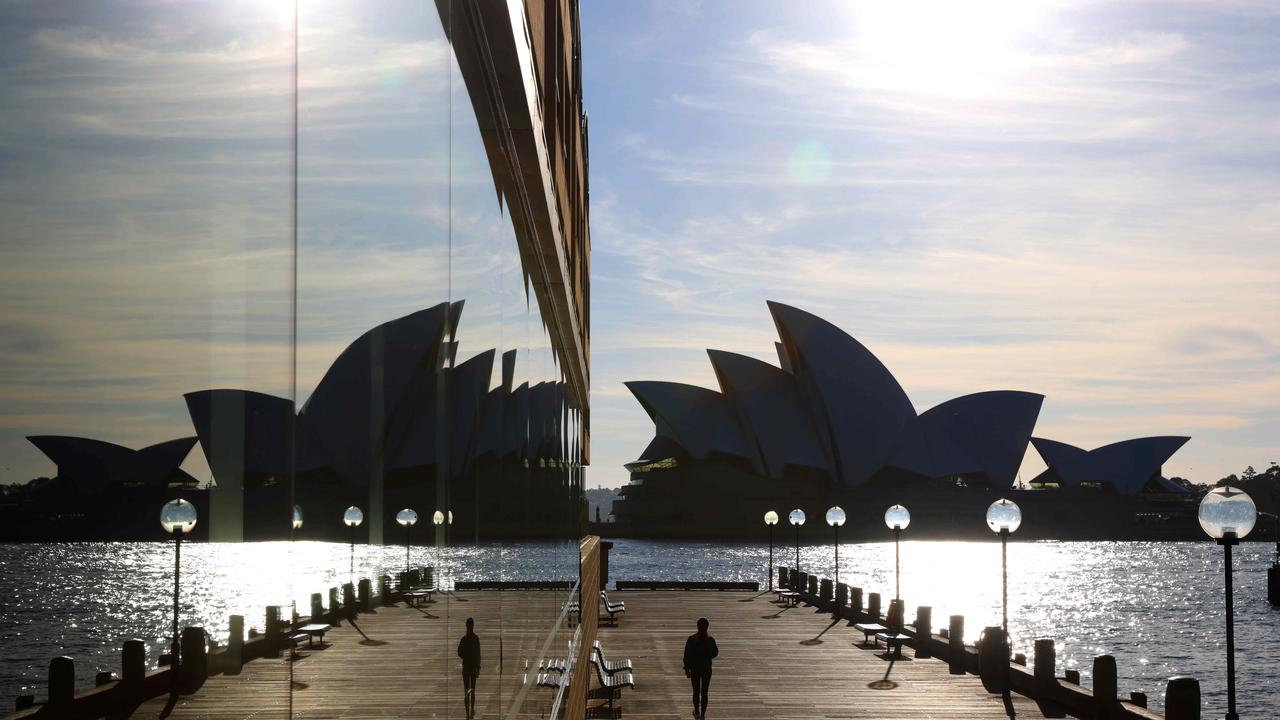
x=893 y=641
x=610 y=685
x=313 y=631
x=609 y=666
x=869 y=630
x=418 y=596
x=614 y=609
x=790 y=598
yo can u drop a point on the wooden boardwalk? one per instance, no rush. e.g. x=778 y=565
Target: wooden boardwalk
x=773 y=664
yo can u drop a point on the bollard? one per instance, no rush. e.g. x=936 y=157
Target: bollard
x=1182 y=699
x=782 y=577
x=1071 y=676
x=800 y=581
x=102 y=678
x=384 y=590
x=842 y=595
x=1273 y=584
x=1020 y=659
x=812 y=585
x=349 y=599
x=1046 y=669
x=955 y=638
x=1104 y=684
x=23 y=702
x=894 y=618
x=365 y=595
x=855 y=602
x=873 y=605
x=62 y=680
x=274 y=630
x=195 y=659
x=824 y=590
x=924 y=630
x=317 y=608
x=1138 y=698
x=428 y=576
x=233 y=658
x=333 y=601
x=993 y=658
x=133 y=662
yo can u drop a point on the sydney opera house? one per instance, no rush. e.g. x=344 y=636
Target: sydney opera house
x=830 y=424
x=395 y=422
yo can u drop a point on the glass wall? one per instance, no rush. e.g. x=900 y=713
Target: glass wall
x=255 y=257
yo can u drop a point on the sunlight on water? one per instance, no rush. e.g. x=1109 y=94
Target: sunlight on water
x=1157 y=607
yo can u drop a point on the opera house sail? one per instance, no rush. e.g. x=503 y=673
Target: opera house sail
x=830 y=424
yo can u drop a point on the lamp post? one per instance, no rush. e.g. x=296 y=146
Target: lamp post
x=897 y=519
x=297 y=517
x=437 y=518
x=407 y=519
x=796 y=518
x=836 y=518
x=1004 y=517
x=1227 y=515
x=177 y=517
x=352 y=517
x=771 y=519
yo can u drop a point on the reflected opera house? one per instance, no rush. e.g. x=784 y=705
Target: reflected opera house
x=830 y=424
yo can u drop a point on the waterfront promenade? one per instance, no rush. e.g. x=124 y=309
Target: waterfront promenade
x=774 y=663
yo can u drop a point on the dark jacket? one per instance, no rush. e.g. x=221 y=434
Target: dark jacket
x=699 y=651
x=469 y=651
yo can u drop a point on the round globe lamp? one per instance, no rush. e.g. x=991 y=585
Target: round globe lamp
x=297 y=517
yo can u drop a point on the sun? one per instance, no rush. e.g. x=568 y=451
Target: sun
x=942 y=47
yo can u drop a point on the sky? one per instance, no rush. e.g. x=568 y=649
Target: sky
x=1076 y=199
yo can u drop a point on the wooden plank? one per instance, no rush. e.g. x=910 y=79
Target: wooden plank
x=774 y=663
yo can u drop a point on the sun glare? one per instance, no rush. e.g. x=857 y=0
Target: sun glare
x=942 y=47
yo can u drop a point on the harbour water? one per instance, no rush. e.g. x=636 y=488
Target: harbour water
x=1158 y=607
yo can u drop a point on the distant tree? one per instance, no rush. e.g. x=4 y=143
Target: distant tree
x=1249 y=473
x=1228 y=480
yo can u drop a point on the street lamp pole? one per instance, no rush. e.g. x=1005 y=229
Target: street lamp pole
x=177 y=517
x=771 y=519
x=796 y=518
x=897 y=519
x=836 y=518
x=1227 y=515
x=353 y=517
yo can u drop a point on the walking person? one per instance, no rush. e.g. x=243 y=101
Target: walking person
x=469 y=651
x=699 y=650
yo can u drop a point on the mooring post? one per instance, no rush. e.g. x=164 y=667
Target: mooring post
x=813 y=585
x=1104 y=684
x=1020 y=659
x=274 y=630
x=334 y=604
x=102 y=677
x=365 y=595
x=824 y=591
x=195 y=659
x=1273 y=584
x=842 y=596
x=1182 y=699
x=62 y=680
x=233 y=658
x=873 y=605
x=1138 y=698
x=1071 y=676
x=955 y=639
x=133 y=662
x=317 y=607
x=782 y=576
x=1046 y=671
x=349 y=599
x=924 y=630
x=384 y=590
x=855 y=603
x=22 y=702
x=896 y=615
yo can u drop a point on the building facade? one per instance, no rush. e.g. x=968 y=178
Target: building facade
x=305 y=256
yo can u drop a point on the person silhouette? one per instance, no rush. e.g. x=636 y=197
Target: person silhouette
x=699 y=650
x=469 y=651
